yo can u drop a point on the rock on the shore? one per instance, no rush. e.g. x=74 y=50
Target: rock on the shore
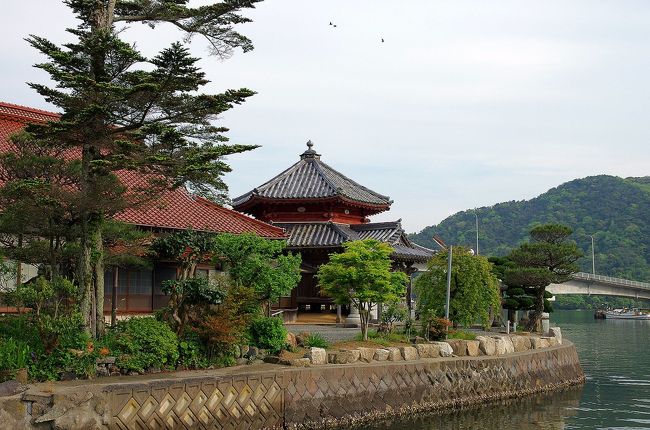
x=445 y=349
x=473 y=348
x=300 y=362
x=486 y=345
x=381 y=354
x=11 y=387
x=539 y=342
x=252 y=353
x=394 y=354
x=427 y=350
x=366 y=354
x=317 y=356
x=556 y=333
x=503 y=345
x=347 y=356
x=409 y=353
x=291 y=340
x=521 y=343
x=459 y=347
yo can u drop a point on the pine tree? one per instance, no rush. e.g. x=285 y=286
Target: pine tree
x=550 y=258
x=141 y=116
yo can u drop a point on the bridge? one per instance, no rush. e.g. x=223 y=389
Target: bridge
x=586 y=283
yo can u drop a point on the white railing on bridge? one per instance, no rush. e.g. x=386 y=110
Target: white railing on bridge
x=610 y=280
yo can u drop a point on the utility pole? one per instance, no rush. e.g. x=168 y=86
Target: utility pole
x=448 y=281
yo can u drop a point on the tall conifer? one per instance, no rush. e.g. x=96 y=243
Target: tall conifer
x=123 y=112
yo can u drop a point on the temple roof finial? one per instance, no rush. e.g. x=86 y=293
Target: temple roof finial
x=309 y=153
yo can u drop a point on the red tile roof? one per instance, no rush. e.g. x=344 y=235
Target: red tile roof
x=176 y=210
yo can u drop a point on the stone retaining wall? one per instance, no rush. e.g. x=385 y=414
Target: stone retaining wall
x=270 y=396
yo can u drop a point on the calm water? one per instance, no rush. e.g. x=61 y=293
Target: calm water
x=615 y=356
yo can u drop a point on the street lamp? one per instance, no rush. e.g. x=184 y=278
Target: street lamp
x=448 y=297
x=476 y=216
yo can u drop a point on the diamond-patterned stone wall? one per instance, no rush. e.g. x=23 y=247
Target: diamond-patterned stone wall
x=253 y=401
x=353 y=392
x=333 y=394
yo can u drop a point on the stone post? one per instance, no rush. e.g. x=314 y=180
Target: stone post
x=353 y=317
x=374 y=315
x=546 y=323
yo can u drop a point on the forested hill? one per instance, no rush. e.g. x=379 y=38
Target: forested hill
x=615 y=210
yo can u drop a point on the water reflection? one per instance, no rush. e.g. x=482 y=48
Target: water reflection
x=546 y=411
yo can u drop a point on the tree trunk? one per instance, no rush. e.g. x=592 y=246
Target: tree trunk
x=116 y=274
x=84 y=274
x=364 y=316
x=536 y=315
x=99 y=283
x=91 y=220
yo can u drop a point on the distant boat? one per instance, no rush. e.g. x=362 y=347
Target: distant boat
x=627 y=314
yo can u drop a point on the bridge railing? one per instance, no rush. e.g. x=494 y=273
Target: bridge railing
x=610 y=280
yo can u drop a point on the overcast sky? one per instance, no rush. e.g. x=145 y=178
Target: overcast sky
x=465 y=103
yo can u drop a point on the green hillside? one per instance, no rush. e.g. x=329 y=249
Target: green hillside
x=615 y=210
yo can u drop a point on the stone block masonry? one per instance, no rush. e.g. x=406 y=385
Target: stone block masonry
x=271 y=396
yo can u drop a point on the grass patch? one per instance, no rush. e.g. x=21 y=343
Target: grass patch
x=316 y=340
x=383 y=339
x=461 y=334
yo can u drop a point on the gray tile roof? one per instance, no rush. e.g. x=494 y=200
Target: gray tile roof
x=310 y=178
x=333 y=235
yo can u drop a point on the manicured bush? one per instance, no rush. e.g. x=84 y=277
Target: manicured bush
x=142 y=343
x=227 y=324
x=189 y=300
x=436 y=328
x=316 y=340
x=269 y=333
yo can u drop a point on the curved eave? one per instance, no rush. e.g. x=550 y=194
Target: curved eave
x=409 y=258
x=254 y=200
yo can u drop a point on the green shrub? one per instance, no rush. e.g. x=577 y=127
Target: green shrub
x=436 y=328
x=19 y=327
x=269 y=333
x=394 y=313
x=316 y=340
x=65 y=332
x=56 y=345
x=63 y=346
x=191 y=352
x=141 y=343
x=14 y=354
x=51 y=366
x=43 y=296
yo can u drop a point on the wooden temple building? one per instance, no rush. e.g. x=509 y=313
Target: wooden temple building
x=311 y=205
x=320 y=209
